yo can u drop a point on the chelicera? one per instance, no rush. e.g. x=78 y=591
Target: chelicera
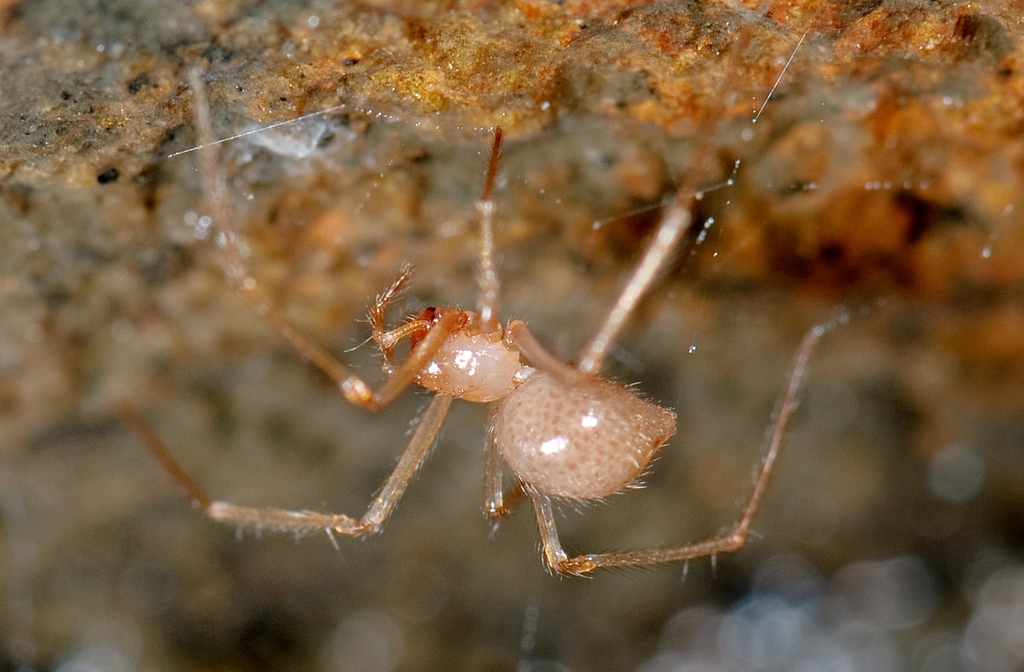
x=565 y=432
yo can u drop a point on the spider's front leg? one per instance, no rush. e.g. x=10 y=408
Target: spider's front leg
x=352 y=387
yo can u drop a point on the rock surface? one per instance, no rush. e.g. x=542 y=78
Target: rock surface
x=883 y=179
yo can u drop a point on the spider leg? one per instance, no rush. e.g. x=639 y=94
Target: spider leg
x=731 y=540
x=536 y=356
x=497 y=502
x=489 y=283
x=301 y=522
x=352 y=386
x=673 y=226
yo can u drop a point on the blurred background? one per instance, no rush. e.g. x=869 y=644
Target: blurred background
x=880 y=185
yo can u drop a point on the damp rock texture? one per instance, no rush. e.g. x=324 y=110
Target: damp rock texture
x=860 y=162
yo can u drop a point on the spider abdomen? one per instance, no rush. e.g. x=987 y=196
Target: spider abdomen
x=582 y=441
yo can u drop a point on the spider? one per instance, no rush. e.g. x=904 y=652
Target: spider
x=566 y=433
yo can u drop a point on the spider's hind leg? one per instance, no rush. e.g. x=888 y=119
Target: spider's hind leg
x=731 y=540
x=302 y=522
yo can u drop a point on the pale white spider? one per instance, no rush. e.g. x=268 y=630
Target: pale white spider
x=565 y=432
